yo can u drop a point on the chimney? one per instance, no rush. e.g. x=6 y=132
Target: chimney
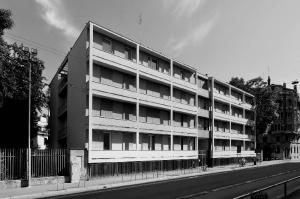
x=295 y=88
x=284 y=85
x=269 y=81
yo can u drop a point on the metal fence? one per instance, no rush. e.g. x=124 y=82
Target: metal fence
x=44 y=163
x=141 y=170
x=13 y=164
x=49 y=162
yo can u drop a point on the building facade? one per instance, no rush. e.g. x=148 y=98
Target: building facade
x=283 y=140
x=125 y=102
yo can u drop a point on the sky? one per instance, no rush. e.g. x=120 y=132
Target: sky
x=223 y=38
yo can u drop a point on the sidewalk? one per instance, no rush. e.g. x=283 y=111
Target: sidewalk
x=105 y=183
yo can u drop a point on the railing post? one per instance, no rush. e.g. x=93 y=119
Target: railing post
x=285 y=190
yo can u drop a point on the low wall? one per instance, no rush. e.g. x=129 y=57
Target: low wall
x=10 y=184
x=49 y=180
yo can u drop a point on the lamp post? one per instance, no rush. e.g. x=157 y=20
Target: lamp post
x=30 y=57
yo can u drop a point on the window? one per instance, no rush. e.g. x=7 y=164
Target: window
x=106 y=140
x=154 y=64
x=153 y=143
x=127 y=53
x=107 y=45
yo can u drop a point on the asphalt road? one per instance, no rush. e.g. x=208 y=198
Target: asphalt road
x=219 y=185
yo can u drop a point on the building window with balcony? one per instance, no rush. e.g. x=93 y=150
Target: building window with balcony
x=183 y=143
x=154 y=116
x=203 y=123
x=114 y=47
x=236 y=128
x=202 y=83
x=114 y=78
x=221 y=108
x=183 y=97
x=221 y=126
x=154 y=89
x=236 y=112
x=128 y=53
x=113 y=109
x=221 y=145
x=154 y=63
x=249 y=146
x=203 y=103
x=113 y=140
x=184 y=120
x=237 y=96
x=221 y=89
x=107 y=45
x=101 y=140
x=235 y=144
x=184 y=74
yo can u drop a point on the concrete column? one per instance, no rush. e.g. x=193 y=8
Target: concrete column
x=254 y=104
x=138 y=146
x=171 y=112
x=78 y=165
x=90 y=130
x=212 y=120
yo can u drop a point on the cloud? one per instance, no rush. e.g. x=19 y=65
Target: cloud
x=183 y=8
x=194 y=37
x=54 y=14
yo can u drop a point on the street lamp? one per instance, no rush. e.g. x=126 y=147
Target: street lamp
x=30 y=57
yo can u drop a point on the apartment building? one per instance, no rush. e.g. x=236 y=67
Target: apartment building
x=283 y=139
x=124 y=102
x=233 y=123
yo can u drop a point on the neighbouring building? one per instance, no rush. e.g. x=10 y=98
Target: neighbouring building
x=124 y=102
x=283 y=140
x=41 y=139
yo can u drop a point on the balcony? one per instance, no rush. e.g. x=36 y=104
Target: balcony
x=126 y=156
x=113 y=92
x=114 y=60
x=222 y=148
x=221 y=97
x=203 y=92
x=180 y=107
x=154 y=74
x=154 y=128
x=184 y=84
x=155 y=101
x=178 y=130
x=238 y=119
x=203 y=133
x=223 y=154
x=238 y=136
x=203 y=112
x=221 y=134
x=113 y=124
x=221 y=116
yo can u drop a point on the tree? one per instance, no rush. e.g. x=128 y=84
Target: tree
x=266 y=105
x=14 y=70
